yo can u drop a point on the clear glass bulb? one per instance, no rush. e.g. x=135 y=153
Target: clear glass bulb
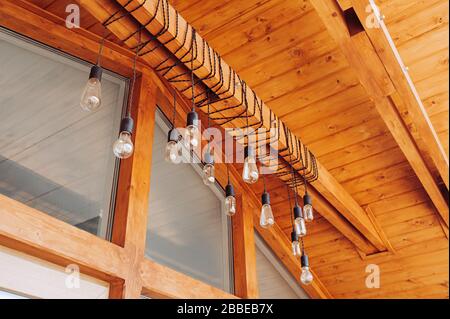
x=123 y=146
x=230 y=205
x=91 y=97
x=191 y=136
x=208 y=174
x=308 y=212
x=300 y=226
x=250 y=172
x=306 y=277
x=172 y=152
x=267 y=219
x=296 y=251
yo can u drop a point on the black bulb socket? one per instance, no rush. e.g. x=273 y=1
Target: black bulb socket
x=173 y=135
x=294 y=236
x=297 y=212
x=249 y=152
x=96 y=73
x=126 y=125
x=304 y=260
x=307 y=200
x=229 y=190
x=265 y=198
x=192 y=119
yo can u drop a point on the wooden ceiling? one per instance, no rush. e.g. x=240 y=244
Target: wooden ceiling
x=284 y=51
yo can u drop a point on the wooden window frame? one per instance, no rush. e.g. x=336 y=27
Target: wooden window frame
x=122 y=261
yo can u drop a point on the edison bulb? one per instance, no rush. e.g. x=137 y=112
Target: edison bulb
x=300 y=226
x=91 y=97
x=296 y=251
x=172 y=152
x=191 y=136
x=308 y=212
x=230 y=205
x=250 y=172
x=306 y=277
x=267 y=220
x=208 y=174
x=123 y=147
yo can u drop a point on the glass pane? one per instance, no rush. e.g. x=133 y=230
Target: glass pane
x=26 y=277
x=187 y=230
x=54 y=156
x=274 y=280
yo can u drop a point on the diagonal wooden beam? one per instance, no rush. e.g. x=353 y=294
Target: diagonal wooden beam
x=363 y=57
x=178 y=43
x=389 y=55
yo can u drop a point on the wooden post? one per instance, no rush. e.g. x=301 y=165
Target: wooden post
x=130 y=220
x=245 y=276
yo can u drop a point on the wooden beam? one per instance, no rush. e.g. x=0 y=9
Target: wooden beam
x=130 y=218
x=244 y=251
x=26 y=229
x=377 y=82
x=394 y=66
x=31 y=21
x=160 y=281
x=124 y=29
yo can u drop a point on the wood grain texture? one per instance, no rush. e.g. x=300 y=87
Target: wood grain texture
x=244 y=251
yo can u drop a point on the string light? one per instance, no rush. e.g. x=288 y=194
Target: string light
x=250 y=173
x=173 y=146
x=307 y=202
x=208 y=168
x=191 y=136
x=123 y=147
x=296 y=251
x=230 y=197
x=91 y=98
x=266 y=219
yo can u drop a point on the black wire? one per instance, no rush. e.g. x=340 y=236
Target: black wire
x=192 y=70
x=128 y=113
x=174 y=108
x=264 y=183
x=290 y=207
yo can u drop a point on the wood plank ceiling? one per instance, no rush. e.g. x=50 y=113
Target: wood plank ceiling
x=285 y=53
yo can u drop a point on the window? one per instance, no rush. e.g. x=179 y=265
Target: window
x=275 y=282
x=54 y=156
x=26 y=277
x=187 y=229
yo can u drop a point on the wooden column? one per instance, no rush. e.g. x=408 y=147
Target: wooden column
x=245 y=277
x=130 y=220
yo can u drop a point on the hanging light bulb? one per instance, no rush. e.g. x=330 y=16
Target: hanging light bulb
x=230 y=200
x=91 y=98
x=266 y=220
x=307 y=208
x=208 y=169
x=173 y=147
x=250 y=172
x=191 y=134
x=299 y=222
x=123 y=147
x=306 y=277
x=296 y=251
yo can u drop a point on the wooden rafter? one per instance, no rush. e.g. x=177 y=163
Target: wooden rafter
x=382 y=89
x=384 y=46
x=125 y=29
